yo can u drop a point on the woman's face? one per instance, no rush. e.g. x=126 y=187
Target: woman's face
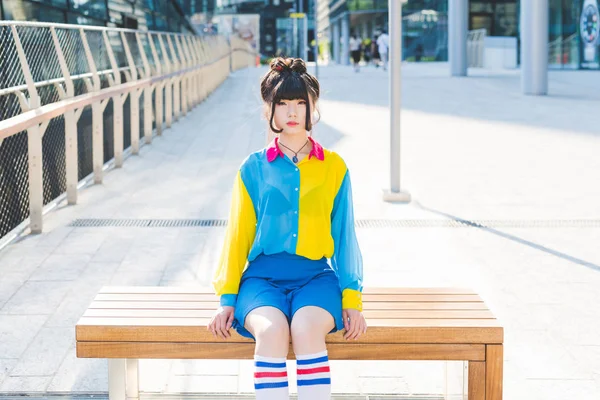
x=290 y=115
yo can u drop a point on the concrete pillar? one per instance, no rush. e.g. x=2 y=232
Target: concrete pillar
x=458 y=17
x=346 y=39
x=336 y=42
x=534 y=46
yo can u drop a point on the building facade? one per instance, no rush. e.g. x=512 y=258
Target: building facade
x=158 y=15
x=573 y=27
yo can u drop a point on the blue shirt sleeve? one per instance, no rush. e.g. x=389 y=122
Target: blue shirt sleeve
x=346 y=259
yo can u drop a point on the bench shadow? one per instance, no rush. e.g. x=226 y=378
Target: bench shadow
x=513 y=238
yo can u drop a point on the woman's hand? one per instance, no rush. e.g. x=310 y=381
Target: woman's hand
x=220 y=324
x=354 y=323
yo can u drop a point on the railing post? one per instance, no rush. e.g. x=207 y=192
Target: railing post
x=185 y=78
x=147 y=93
x=71 y=150
x=34 y=145
x=169 y=84
x=158 y=91
x=134 y=100
x=177 y=80
x=117 y=107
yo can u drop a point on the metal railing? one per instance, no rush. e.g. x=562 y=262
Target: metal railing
x=73 y=97
x=475 y=47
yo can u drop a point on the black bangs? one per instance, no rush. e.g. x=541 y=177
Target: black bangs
x=291 y=87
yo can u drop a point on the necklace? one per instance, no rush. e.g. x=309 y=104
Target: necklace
x=295 y=158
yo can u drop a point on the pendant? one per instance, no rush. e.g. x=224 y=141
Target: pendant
x=295 y=159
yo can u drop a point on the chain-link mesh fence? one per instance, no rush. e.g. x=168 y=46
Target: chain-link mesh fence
x=30 y=56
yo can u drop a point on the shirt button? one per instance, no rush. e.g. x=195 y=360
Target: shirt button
x=294 y=235
x=296 y=189
x=295 y=212
x=296 y=169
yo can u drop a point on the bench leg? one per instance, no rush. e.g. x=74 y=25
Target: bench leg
x=123 y=381
x=117 y=379
x=494 y=360
x=133 y=386
x=476 y=380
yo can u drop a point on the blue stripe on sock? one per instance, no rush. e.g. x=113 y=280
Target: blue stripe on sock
x=270 y=385
x=309 y=382
x=270 y=365
x=312 y=360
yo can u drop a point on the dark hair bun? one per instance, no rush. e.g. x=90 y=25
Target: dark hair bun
x=281 y=64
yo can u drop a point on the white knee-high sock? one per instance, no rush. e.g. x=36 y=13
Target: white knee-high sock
x=270 y=378
x=314 y=377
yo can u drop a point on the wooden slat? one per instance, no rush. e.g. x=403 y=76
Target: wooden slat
x=494 y=361
x=369 y=314
x=366 y=297
x=476 y=380
x=122 y=329
x=201 y=290
x=350 y=351
x=171 y=323
x=213 y=305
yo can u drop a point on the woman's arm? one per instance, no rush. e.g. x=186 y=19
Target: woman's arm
x=347 y=259
x=239 y=238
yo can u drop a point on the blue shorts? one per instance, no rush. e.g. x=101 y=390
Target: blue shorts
x=288 y=282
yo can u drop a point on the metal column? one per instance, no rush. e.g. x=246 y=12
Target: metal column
x=345 y=39
x=458 y=17
x=395 y=52
x=534 y=47
x=336 y=42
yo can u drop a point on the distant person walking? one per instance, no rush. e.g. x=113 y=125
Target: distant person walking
x=367 y=50
x=355 y=51
x=375 y=52
x=383 y=44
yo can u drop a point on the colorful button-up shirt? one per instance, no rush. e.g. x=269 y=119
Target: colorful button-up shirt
x=304 y=209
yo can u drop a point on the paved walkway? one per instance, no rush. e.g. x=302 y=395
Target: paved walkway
x=473 y=148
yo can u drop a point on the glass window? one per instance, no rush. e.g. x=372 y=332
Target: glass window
x=91 y=8
x=27 y=11
x=82 y=20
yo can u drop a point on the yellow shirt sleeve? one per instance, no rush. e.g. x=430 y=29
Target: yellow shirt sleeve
x=241 y=230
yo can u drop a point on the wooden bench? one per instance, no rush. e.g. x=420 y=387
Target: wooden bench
x=124 y=324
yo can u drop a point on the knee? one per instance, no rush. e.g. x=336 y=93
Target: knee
x=275 y=332
x=303 y=331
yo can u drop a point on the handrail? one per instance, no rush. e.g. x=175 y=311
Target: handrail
x=113 y=64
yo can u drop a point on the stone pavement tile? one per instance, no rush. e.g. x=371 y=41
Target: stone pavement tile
x=45 y=353
x=113 y=250
x=61 y=267
x=205 y=367
x=37 y=298
x=182 y=267
x=9 y=285
x=588 y=355
x=541 y=357
x=25 y=384
x=6 y=365
x=560 y=389
x=17 y=331
x=190 y=241
x=80 y=243
x=140 y=278
x=80 y=375
x=154 y=375
x=383 y=385
x=145 y=259
x=203 y=383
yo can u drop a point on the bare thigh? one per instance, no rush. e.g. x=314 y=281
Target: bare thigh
x=270 y=328
x=310 y=326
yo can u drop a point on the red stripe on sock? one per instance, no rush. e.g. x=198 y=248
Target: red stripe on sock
x=312 y=370
x=270 y=374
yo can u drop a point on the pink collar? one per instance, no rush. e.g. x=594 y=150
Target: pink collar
x=273 y=150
